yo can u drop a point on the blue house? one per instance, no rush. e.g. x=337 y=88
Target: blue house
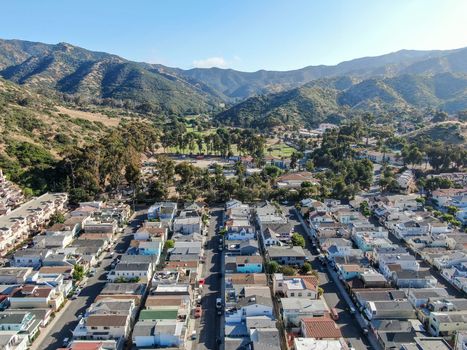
x=249 y=264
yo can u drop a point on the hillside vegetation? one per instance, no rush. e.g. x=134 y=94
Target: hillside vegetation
x=337 y=98
x=34 y=132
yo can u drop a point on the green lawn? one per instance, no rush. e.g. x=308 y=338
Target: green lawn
x=280 y=150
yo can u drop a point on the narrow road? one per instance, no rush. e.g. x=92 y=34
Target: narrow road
x=334 y=296
x=209 y=325
x=66 y=320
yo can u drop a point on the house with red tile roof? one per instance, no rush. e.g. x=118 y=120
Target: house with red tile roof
x=320 y=328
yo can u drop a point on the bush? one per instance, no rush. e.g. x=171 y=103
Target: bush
x=298 y=240
x=169 y=244
x=306 y=268
x=272 y=267
x=287 y=270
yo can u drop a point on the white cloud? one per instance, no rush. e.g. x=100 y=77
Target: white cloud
x=219 y=62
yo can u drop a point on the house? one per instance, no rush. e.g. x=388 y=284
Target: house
x=123 y=291
x=265 y=338
x=151 y=230
x=446 y=323
x=248 y=264
x=294 y=309
x=315 y=344
x=131 y=271
x=106 y=319
x=349 y=271
x=160 y=334
x=373 y=279
x=414 y=279
x=238 y=229
x=295 y=286
x=13 y=341
x=162 y=211
x=187 y=225
x=392 y=334
x=251 y=305
x=287 y=255
x=185 y=251
x=238 y=285
x=393 y=309
x=296 y=179
x=406 y=262
x=276 y=233
x=105 y=226
x=30 y=257
x=16 y=225
x=320 y=328
x=36 y=297
x=241 y=247
x=23 y=322
x=16 y=275
x=102 y=327
x=419 y=297
x=363 y=296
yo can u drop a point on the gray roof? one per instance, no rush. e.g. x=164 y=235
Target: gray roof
x=143 y=329
x=137 y=259
x=393 y=305
x=392 y=325
x=265 y=338
x=303 y=304
x=12 y=317
x=123 y=288
x=279 y=227
x=132 y=267
x=254 y=299
x=281 y=251
x=260 y=322
x=411 y=274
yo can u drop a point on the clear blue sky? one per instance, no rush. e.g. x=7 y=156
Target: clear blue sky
x=241 y=34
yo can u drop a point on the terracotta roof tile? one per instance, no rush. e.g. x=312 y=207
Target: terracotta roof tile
x=320 y=328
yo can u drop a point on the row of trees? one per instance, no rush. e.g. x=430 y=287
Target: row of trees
x=220 y=142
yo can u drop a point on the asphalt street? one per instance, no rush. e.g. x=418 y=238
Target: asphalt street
x=52 y=338
x=347 y=324
x=208 y=325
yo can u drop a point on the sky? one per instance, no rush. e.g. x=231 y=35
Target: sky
x=246 y=35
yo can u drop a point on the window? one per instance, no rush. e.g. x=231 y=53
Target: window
x=93 y=327
x=106 y=327
x=292 y=294
x=299 y=294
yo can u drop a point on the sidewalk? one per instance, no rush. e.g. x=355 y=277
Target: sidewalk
x=44 y=332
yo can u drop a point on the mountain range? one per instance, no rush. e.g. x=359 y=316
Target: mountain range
x=406 y=79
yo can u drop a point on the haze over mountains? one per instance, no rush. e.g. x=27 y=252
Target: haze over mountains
x=406 y=79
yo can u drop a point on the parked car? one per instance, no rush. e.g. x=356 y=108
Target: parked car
x=219 y=303
x=193 y=335
x=201 y=281
x=198 y=312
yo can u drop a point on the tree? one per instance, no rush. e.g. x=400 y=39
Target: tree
x=287 y=270
x=452 y=210
x=169 y=244
x=306 y=268
x=272 y=267
x=78 y=272
x=57 y=218
x=298 y=240
x=309 y=165
x=365 y=208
